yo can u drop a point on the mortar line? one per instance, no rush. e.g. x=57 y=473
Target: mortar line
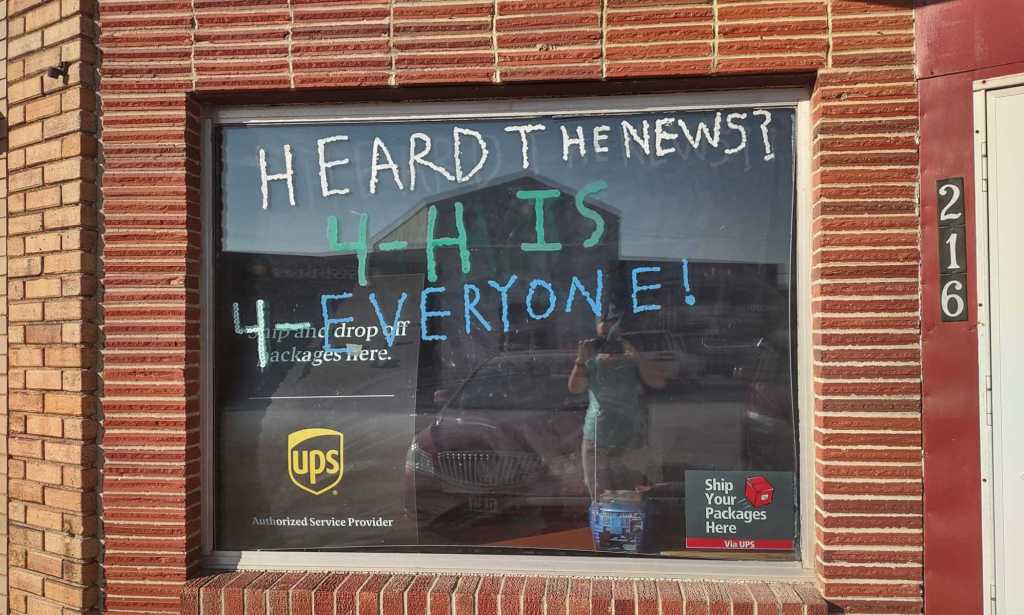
x=392 y=77
x=192 y=46
x=714 y=36
x=828 y=34
x=604 y=39
x=291 y=31
x=494 y=40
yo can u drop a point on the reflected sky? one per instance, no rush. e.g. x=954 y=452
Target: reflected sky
x=728 y=202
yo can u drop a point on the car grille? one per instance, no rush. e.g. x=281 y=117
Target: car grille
x=487 y=468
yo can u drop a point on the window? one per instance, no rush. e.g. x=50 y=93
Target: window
x=562 y=327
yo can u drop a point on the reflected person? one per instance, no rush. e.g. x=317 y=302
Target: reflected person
x=615 y=453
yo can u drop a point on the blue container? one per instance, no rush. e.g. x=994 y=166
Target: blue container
x=619 y=522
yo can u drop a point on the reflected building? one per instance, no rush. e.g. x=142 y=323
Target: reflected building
x=497 y=223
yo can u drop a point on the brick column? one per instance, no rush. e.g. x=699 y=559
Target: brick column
x=51 y=250
x=3 y=314
x=866 y=312
x=151 y=306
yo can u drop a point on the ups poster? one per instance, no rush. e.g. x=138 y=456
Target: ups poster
x=313 y=433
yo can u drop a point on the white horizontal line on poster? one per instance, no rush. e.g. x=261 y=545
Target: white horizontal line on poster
x=324 y=396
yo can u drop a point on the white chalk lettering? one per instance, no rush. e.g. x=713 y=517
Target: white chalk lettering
x=629 y=134
x=523 y=130
x=568 y=141
x=600 y=136
x=376 y=167
x=321 y=150
x=661 y=135
x=266 y=178
x=742 y=130
x=767 y=115
x=702 y=129
x=418 y=157
x=457 y=134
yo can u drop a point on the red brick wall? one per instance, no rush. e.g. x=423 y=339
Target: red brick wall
x=158 y=56
x=51 y=260
x=321 y=593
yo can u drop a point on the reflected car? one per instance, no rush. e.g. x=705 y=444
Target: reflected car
x=733 y=356
x=509 y=436
x=668 y=352
x=768 y=435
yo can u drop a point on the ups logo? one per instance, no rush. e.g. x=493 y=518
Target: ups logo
x=316 y=459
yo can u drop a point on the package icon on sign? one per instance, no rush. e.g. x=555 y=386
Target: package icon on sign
x=759 y=491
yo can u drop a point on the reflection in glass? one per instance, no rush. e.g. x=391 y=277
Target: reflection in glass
x=568 y=428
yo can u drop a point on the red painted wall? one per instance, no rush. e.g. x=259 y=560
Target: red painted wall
x=955 y=36
x=958 y=42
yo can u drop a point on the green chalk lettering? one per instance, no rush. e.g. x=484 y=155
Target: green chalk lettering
x=539 y=196
x=590 y=214
x=259 y=329
x=283 y=329
x=389 y=246
x=358 y=246
x=461 y=240
x=292 y=326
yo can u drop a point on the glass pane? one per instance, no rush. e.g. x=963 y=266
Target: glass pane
x=570 y=334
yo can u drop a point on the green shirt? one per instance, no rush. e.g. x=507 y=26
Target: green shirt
x=616 y=416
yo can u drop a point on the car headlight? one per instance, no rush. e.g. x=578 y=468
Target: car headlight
x=418 y=460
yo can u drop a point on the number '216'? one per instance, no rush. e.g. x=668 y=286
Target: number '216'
x=952 y=255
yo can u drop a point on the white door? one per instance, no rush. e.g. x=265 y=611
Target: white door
x=1005 y=137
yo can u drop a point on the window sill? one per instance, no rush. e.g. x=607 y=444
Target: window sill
x=340 y=593
x=522 y=565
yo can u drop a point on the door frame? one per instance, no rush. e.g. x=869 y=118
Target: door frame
x=984 y=283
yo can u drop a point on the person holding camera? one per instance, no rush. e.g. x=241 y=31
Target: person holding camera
x=615 y=454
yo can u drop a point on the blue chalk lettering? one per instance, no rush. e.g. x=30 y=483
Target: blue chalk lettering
x=638 y=288
x=552 y=301
x=690 y=299
x=426 y=315
x=469 y=307
x=330 y=322
x=594 y=300
x=389 y=338
x=503 y=291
